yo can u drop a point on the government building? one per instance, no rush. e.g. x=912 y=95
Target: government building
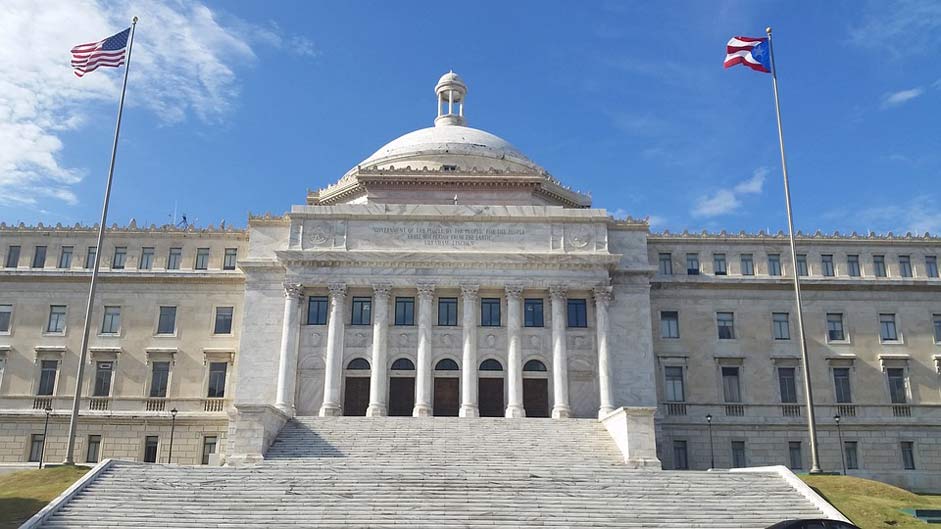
x=450 y=275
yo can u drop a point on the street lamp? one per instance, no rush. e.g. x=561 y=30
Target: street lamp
x=839 y=432
x=173 y=413
x=45 y=431
x=712 y=452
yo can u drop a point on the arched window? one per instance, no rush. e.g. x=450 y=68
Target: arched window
x=403 y=364
x=534 y=365
x=491 y=365
x=447 y=365
x=358 y=364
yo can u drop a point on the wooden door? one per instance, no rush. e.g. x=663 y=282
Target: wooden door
x=490 y=395
x=356 y=399
x=447 y=397
x=401 y=396
x=536 y=397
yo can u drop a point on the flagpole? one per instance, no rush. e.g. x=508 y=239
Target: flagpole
x=805 y=358
x=77 y=399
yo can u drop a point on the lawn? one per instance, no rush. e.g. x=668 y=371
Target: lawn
x=24 y=493
x=871 y=504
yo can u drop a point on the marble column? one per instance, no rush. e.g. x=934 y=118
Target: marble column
x=469 y=366
x=287 y=362
x=379 y=374
x=423 y=382
x=560 y=361
x=514 y=353
x=332 y=403
x=602 y=299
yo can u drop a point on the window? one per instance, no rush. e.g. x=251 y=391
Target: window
x=65 y=257
x=103 y=373
x=726 y=325
x=209 y=448
x=780 y=325
x=317 y=310
x=202 y=259
x=692 y=264
x=120 y=257
x=223 y=323
x=358 y=364
x=36 y=444
x=166 y=323
x=13 y=256
x=447 y=311
x=159 y=379
x=174 y=258
x=6 y=317
x=39 y=257
x=111 y=322
x=229 y=259
x=908 y=455
x=446 y=364
x=362 y=311
x=738 y=454
x=93 y=451
x=774 y=264
x=577 y=313
x=146 y=259
x=532 y=313
x=666 y=264
x=748 y=265
x=878 y=263
x=150 y=448
x=403 y=364
x=489 y=312
x=491 y=365
x=718 y=264
x=669 y=324
x=801 y=264
x=217 y=380
x=887 y=330
x=841 y=385
x=405 y=311
x=852 y=265
x=787 y=381
x=905 y=266
x=47 y=377
x=794 y=455
x=731 y=385
x=680 y=459
x=835 y=327
x=936 y=321
x=851 y=452
x=90 y=257
x=931 y=266
x=826 y=265
x=56 y=319
x=896 y=378
x=674 y=388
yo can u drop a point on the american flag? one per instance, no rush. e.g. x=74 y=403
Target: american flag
x=108 y=52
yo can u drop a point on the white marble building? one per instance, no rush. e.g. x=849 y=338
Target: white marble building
x=448 y=274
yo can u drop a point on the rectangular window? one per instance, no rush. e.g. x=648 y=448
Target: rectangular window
x=159 y=379
x=780 y=325
x=787 y=381
x=931 y=266
x=731 y=385
x=209 y=448
x=835 y=327
x=56 y=319
x=680 y=459
x=39 y=257
x=674 y=387
x=738 y=454
x=90 y=257
x=896 y=378
x=111 y=322
x=223 y=323
x=47 y=377
x=878 y=264
x=36 y=443
x=166 y=323
x=13 y=256
x=6 y=318
x=533 y=313
x=93 y=451
x=146 y=259
x=577 y=313
x=229 y=259
x=666 y=264
x=826 y=265
x=887 y=329
x=669 y=324
x=405 y=311
x=774 y=264
x=718 y=264
x=65 y=257
x=794 y=455
x=692 y=264
x=202 y=259
x=447 y=311
x=841 y=385
x=119 y=258
x=851 y=451
x=217 y=372
x=317 y=310
x=103 y=373
x=489 y=312
x=362 y=311
x=174 y=258
x=726 y=325
x=802 y=264
x=852 y=265
x=905 y=266
x=908 y=455
x=151 y=442
x=748 y=265
x=936 y=321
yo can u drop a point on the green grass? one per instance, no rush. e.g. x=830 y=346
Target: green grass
x=24 y=493
x=872 y=504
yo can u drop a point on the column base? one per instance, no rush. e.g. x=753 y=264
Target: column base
x=561 y=412
x=376 y=410
x=330 y=410
x=515 y=412
x=421 y=410
x=468 y=411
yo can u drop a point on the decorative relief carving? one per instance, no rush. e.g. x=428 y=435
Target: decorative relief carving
x=579 y=237
x=579 y=342
x=557 y=291
x=382 y=290
x=490 y=341
x=293 y=290
x=447 y=340
x=337 y=290
x=316 y=339
x=602 y=294
x=358 y=339
x=403 y=340
x=470 y=292
x=426 y=290
x=318 y=234
x=534 y=342
x=514 y=291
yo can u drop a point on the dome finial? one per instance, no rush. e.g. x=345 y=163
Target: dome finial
x=450 y=92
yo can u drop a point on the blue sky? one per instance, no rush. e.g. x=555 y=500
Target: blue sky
x=242 y=106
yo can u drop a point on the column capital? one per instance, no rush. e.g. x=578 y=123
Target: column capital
x=602 y=294
x=514 y=291
x=337 y=290
x=469 y=291
x=382 y=290
x=558 y=291
x=293 y=290
x=426 y=290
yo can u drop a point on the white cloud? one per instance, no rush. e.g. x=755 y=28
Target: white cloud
x=895 y=99
x=183 y=63
x=725 y=201
x=919 y=215
x=901 y=29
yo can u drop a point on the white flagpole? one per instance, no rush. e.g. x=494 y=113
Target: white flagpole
x=805 y=358
x=77 y=398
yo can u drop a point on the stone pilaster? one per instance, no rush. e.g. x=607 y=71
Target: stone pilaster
x=602 y=327
x=423 y=382
x=514 y=353
x=287 y=361
x=469 y=403
x=332 y=403
x=560 y=361
x=379 y=375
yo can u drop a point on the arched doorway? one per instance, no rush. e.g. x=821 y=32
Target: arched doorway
x=447 y=396
x=535 y=389
x=490 y=388
x=402 y=388
x=356 y=392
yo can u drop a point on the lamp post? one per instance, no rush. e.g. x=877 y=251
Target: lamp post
x=45 y=431
x=712 y=452
x=839 y=431
x=173 y=413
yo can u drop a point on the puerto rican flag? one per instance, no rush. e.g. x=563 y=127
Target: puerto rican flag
x=748 y=51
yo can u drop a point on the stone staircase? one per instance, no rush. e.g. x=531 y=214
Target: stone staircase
x=432 y=473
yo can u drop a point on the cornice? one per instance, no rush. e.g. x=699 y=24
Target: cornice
x=495 y=260
x=780 y=236
x=122 y=276
x=786 y=283
x=131 y=228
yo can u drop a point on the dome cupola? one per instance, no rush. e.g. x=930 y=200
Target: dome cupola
x=450 y=92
